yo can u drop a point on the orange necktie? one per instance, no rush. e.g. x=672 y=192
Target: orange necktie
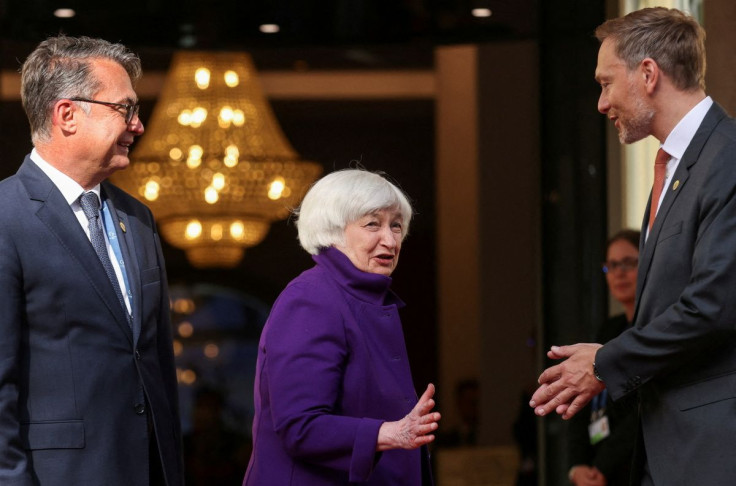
x=660 y=173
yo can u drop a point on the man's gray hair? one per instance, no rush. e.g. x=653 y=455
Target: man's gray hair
x=60 y=68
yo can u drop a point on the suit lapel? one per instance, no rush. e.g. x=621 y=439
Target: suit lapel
x=55 y=213
x=643 y=262
x=675 y=187
x=646 y=251
x=127 y=248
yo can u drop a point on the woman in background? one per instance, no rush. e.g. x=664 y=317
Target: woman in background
x=334 y=398
x=601 y=437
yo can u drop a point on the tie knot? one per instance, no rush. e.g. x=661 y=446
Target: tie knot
x=90 y=204
x=662 y=157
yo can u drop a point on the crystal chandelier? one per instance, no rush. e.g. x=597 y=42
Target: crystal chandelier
x=213 y=164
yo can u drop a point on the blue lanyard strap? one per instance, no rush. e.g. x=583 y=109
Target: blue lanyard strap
x=599 y=401
x=112 y=237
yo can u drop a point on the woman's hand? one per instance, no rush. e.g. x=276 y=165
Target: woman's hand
x=414 y=430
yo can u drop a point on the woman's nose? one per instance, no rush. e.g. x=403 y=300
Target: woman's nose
x=388 y=237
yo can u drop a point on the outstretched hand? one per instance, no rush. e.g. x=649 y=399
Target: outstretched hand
x=414 y=430
x=566 y=388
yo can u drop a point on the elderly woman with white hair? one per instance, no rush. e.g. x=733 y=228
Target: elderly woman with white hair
x=334 y=398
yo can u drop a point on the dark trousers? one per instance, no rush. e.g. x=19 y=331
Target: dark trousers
x=646 y=479
x=155 y=470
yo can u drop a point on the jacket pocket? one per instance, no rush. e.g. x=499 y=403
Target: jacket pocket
x=705 y=392
x=150 y=275
x=670 y=231
x=67 y=434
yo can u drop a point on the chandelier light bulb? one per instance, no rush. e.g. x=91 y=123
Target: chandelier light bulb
x=202 y=78
x=214 y=165
x=231 y=79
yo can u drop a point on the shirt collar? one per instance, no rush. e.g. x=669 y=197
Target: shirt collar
x=681 y=136
x=69 y=188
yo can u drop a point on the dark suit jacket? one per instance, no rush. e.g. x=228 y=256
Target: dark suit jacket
x=72 y=373
x=681 y=353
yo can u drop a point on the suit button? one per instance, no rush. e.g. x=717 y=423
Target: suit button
x=140 y=409
x=137 y=355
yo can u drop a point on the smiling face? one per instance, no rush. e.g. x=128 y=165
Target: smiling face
x=622 y=97
x=372 y=243
x=106 y=137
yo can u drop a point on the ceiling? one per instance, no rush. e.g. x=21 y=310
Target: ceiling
x=332 y=33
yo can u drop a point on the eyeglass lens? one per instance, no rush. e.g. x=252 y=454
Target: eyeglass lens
x=626 y=264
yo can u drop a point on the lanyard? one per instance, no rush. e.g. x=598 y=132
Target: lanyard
x=599 y=401
x=112 y=237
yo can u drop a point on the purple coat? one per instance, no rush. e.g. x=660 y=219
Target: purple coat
x=332 y=367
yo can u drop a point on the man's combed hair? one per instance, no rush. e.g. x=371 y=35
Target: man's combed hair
x=673 y=39
x=342 y=197
x=60 y=68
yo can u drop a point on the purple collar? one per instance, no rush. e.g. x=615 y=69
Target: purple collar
x=368 y=287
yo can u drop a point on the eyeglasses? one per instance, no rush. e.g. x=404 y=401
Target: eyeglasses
x=130 y=110
x=627 y=264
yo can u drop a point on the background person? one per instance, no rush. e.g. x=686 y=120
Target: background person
x=334 y=398
x=88 y=391
x=467 y=401
x=601 y=437
x=680 y=355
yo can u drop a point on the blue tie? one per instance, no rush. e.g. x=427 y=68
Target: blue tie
x=91 y=207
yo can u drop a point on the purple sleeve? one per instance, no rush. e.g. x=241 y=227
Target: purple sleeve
x=305 y=356
x=364 y=450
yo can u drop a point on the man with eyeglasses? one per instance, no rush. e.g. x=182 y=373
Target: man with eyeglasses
x=88 y=390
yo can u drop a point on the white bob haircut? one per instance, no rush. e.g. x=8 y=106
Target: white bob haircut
x=343 y=197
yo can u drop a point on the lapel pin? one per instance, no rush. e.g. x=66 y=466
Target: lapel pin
x=122 y=225
x=675 y=185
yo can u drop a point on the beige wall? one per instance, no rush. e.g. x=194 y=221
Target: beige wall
x=719 y=19
x=488 y=207
x=458 y=241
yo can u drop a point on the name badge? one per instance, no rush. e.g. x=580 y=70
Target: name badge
x=599 y=430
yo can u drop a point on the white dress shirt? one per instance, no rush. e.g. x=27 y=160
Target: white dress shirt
x=679 y=139
x=71 y=191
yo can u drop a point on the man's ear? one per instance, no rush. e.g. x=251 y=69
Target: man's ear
x=650 y=72
x=64 y=115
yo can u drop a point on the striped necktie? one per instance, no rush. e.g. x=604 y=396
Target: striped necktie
x=91 y=206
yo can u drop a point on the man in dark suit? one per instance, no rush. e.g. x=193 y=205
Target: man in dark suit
x=680 y=355
x=88 y=391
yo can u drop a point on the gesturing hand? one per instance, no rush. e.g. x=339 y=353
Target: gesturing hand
x=414 y=430
x=568 y=386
